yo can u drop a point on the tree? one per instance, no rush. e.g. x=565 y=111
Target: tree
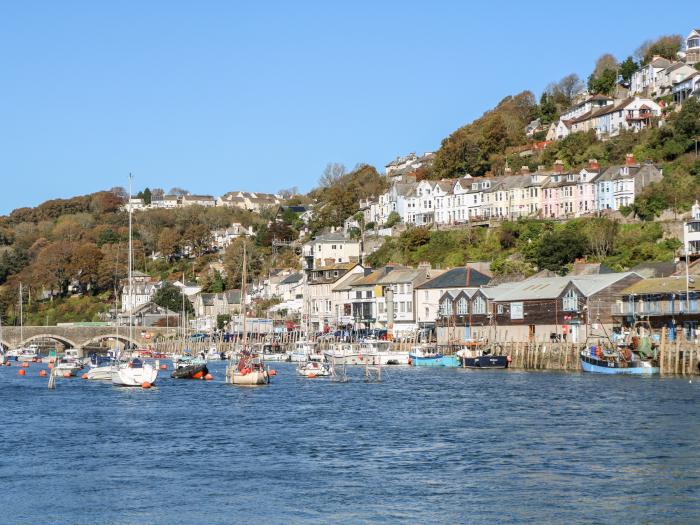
x=604 y=62
x=331 y=174
x=198 y=238
x=600 y=235
x=666 y=46
x=547 y=109
x=157 y=193
x=568 y=87
x=169 y=242
x=169 y=296
x=556 y=249
x=628 y=68
x=393 y=219
x=146 y=196
x=84 y=266
x=603 y=84
x=233 y=261
x=178 y=192
x=120 y=193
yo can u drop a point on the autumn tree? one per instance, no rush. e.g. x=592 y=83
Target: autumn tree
x=198 y=238
x=666 y=46
x=169 y=242
x=85 y=265
x=233 y=260
x=331 y=174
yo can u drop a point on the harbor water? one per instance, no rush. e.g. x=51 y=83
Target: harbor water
x=422 y=446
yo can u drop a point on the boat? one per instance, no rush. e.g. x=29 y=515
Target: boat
x=429 y=356
x=249 y=368
x=67 y=367
x=344 y=354
x=189 y=367
x=637 y=355
x=479 y=356
x=100 y=367
x=214 y=355
x=134 y=371
x=380 y=353
x=314 y=369
x=273 y=352
x=25 y=354
x=303 y=349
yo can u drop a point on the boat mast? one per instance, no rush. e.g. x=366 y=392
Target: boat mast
x=244 y=276
x=130 y=266
x=21 y=315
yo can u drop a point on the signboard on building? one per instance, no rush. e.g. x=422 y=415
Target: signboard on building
x=516 y=311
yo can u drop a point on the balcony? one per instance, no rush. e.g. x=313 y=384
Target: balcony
x=643 y=115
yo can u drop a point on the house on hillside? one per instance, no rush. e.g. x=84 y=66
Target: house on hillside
x=428 y=294
x=198 y=200
x=330 y=248
x=646 y=80
x=618 y=185
x=141 y=292
x=690 y=86
x=319 y=303
x=692 y=47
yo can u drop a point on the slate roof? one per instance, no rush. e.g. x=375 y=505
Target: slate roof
x=655 y=269
x=662 y=285
x=292 y=278
x=456 y=278
x=552 y=287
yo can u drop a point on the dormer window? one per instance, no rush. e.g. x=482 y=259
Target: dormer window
x=570 y=177
x=570 y=301
x=475 y=185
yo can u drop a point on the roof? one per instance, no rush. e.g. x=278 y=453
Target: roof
x=233 y=296
x=584 y=268
x=333 y=237
x=662 y=285
x=207 y=298
x=402 y=275
x=660 y=63
x=655 y=269
x=456 y=278
x=293 y=278
x=338 y=266
x=348 y=283
x=552 y=287
x=373 y=277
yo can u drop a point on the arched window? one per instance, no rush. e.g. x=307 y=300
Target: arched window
x=462 y=307
x=570 y=301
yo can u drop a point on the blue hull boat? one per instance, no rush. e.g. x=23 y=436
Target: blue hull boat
x=447 y=361
x=602 y=366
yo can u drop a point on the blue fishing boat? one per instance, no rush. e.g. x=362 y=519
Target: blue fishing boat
x=618 y=361
x=421 y=356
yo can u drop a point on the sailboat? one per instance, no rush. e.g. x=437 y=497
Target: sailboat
x=186 y=365
x=23 y=353
x=101 y=365
x=3 y=356
x=134 y=372
x=248 y=367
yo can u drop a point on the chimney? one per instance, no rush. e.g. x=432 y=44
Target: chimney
x=629 y=160
x=525 y=170
x=593 y=164
x=507 y=171
x=558 y=166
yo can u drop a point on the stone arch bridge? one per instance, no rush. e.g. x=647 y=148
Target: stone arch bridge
x=80 y=336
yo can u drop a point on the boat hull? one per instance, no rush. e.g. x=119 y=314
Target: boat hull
x=485 y=361
x=445 y=361
x=125 y=376
x=601 y=366
x=100 y=373
x=254 y=378
x=190 y=372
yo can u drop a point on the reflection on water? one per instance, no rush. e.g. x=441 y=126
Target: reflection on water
x=423 y=446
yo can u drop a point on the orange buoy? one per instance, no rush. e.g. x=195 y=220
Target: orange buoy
x=272 y=372
x=50 y=366
x=84 y=376
x=163 y=367
x=42 y=373
x=25 y=365
x=145 y=385
x=21 y=372
x=311 y=376
x=66 y=374
x=208 y=377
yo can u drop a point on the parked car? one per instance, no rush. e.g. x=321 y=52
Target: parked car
x=198 y=337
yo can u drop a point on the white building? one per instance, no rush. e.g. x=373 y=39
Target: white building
x=329 y=249
x=198 y=200
x=144 y=288
x=691 y=232
x=647 y=79
x=224 y=237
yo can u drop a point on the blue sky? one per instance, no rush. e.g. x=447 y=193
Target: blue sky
x=217 y=96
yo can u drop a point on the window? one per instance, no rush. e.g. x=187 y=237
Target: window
x=570 y=301
x=446 y=307
x=358 y=295
x=479 y=306
x=409 y=307
x=500 y=309
x=462 y=306
x=333 y=247
x=368 y=294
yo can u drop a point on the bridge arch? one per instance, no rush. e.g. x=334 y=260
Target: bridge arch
x=59 y=338
x=119 y=337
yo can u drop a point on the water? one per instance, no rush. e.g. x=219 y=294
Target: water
x=423 y=446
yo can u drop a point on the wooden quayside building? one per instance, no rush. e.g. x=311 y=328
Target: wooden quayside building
x=666 y=302
x=538 y=309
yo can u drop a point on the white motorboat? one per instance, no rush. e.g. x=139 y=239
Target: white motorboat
x=70 y=368
x=25 y=354
x=213 y=354
x=314 y=369
x=302 y=350
x=100 y=367
x=134 y=372
x=344 y=354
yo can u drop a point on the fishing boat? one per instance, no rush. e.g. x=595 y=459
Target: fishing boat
x=380 y=353
x=429 y=356
x=314 y=369
x=134 y=371
x=188 y=367
x=249 y=367
x=481 y=356
x=636 y=355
